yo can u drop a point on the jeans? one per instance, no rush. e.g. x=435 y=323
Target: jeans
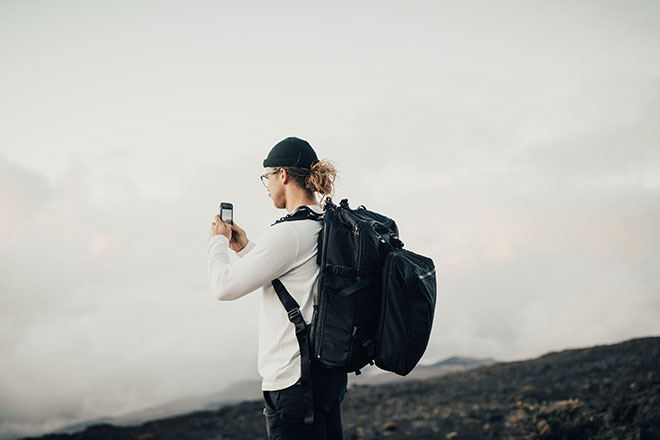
x=285 y=412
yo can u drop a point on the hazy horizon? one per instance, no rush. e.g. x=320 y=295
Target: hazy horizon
x=515 y=143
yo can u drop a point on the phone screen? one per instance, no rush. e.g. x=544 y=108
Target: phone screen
x=227 y=215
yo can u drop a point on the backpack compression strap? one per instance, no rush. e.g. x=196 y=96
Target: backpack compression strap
x=302 y=334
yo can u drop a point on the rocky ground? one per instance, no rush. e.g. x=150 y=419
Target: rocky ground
x=602 y=392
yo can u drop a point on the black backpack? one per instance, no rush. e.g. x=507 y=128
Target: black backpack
x=373 y=300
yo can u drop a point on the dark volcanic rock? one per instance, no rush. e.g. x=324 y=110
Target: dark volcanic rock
x=602 y=392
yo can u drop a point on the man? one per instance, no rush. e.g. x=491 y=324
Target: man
x=286 y=251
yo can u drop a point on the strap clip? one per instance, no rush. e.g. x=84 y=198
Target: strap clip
x=294 y=314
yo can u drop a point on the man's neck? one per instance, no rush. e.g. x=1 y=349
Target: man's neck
x=296 y=200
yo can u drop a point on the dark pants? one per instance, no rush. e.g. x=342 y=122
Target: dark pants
x=285 y=412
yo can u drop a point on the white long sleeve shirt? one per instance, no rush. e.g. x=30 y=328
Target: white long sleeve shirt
x=286 y=251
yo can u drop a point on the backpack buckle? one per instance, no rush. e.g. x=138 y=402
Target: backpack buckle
x=395 y=242
x=294 y=314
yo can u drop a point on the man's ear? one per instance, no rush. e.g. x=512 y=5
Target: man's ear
x=285 y=176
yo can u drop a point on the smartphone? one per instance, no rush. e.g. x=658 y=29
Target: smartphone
x=227 y=212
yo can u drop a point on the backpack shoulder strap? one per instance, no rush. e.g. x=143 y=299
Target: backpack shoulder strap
x=302 y=334
x=302 y=213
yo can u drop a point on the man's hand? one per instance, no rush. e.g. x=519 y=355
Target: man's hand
x=218 y=227
x=237 y=237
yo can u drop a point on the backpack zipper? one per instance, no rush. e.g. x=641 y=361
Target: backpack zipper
x=318 y=337
x=404 y=353
x=359 y=252
x=427 y=274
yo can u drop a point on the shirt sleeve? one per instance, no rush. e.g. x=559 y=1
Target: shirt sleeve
x=272 y=257
x=248 y=247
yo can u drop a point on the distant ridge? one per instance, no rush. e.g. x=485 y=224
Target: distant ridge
x=236 y=392
x=375 y=376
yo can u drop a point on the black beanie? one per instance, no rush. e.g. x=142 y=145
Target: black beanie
x=291 y=152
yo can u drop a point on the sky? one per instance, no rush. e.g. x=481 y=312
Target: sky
x=514 y=142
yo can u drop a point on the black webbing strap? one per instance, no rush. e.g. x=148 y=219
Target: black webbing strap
x=302 y=334
x=366 y=342
x=350 y=290
x=342 y=271
x=302 y=213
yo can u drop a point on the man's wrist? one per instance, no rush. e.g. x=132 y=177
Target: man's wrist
x=247 y=248
x=215 y=238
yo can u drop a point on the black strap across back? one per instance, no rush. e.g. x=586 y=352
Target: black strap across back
x=302 y=331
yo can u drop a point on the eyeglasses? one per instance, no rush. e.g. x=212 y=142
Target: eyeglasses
x=264 y=178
